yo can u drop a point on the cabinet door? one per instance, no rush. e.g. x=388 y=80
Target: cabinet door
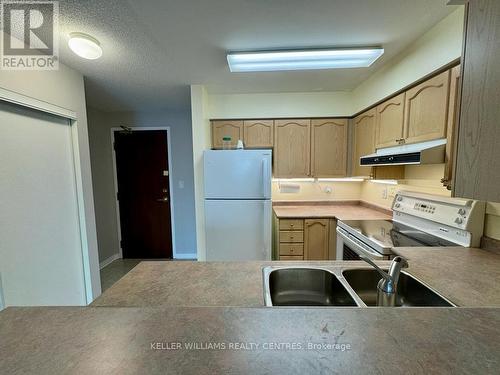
x=452 y=130
x=221 y=129
x=426 y=109
x=258 y=133
x=389 y=122
x=364 y=141
x=292 y=149
x=329 y=147
x=316 y=239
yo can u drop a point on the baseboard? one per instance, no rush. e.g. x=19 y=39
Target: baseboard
x=192 y=256
x=109 y=260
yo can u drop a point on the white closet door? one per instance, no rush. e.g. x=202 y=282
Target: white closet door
x=40 y=246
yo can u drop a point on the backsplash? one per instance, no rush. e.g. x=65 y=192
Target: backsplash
x=314 y=190
x=492 y=221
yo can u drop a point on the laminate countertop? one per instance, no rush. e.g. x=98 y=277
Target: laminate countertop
x=201 y=340
x=340 y=211
x=466 y=276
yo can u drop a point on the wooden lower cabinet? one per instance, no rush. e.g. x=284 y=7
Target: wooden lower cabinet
x=305 y=239
x=316 y=236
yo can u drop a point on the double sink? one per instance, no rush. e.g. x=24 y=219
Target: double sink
x=341 y=286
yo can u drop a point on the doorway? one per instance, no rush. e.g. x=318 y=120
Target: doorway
x=143 y=192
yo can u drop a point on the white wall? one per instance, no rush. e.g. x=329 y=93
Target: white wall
x=100 y=124
x=65 y=88
x=437 y=47
x=305 y=104
x=201 y=141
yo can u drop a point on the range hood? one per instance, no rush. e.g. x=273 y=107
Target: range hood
x=431 y=152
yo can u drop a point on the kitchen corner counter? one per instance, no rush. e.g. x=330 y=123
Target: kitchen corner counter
x=186 y=283
x=348 y=210
x=468 y=277
x=90 y=340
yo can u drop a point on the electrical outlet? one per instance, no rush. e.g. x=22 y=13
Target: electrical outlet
x=384 y=192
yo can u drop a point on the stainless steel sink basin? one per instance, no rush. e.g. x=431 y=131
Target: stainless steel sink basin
x=302 y=286
x=411 y=292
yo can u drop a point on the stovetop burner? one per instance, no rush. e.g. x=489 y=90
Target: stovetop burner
x=386 y=234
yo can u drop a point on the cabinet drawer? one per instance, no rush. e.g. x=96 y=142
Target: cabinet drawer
x=289 y=236
x=294 y=224
x=288 y=257
x=291 y=249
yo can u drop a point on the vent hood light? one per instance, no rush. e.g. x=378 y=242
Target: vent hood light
x=430 y=152
x=267 y=61
x=85 y=46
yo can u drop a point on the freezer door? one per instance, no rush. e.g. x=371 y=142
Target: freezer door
x=237 y=174
x=238 y=230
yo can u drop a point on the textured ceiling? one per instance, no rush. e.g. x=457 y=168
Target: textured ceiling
x=154 y=49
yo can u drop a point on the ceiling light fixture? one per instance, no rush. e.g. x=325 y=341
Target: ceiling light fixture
x=85 y=46
x=266 y=61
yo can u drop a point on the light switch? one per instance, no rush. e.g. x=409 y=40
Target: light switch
x=181 y=184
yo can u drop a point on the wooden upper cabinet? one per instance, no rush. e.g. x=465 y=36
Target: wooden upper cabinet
x=229 y=128
x=258 y=133
x=316 y=239
x=292 y=148
x=389 y=122
x=452 y=129
x=364 y=141
x=328 y=147
x=426 y=109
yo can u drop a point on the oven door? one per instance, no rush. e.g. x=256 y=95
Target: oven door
x=350 y=248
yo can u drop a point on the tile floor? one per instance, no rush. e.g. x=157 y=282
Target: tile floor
x=115 y=271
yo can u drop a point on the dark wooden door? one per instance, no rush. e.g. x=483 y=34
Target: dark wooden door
x=143 y=193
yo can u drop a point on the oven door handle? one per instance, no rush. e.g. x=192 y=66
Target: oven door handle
x=358 y=249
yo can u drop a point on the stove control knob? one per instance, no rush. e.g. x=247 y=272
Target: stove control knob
x=397 y=205
x=459 y=220
x=461 y=211
x=400 y=198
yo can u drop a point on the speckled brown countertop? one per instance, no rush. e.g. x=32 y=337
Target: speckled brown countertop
x=466 y=276
x=339 y=210
x=188 y=284
x=137 y=340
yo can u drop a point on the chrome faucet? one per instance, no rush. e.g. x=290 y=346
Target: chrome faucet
x=387 y=286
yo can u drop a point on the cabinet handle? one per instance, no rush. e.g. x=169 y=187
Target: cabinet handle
x=291 y=225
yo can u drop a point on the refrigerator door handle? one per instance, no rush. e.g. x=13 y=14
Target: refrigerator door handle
x=266 y=184
x=266 y=232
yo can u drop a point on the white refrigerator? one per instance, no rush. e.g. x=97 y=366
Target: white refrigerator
x=238 y=204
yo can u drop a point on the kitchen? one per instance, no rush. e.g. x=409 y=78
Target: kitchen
x=322 y=229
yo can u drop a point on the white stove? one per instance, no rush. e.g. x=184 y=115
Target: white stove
x=418 y=220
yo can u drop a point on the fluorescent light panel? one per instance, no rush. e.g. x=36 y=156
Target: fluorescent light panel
x=268 y=61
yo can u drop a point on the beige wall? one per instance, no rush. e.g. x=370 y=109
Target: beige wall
x=306 y=104
x=437 y=47
x=492 y=222
x=65 y=88
x=422 y=179
x=310 y=191
x=201 y=142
